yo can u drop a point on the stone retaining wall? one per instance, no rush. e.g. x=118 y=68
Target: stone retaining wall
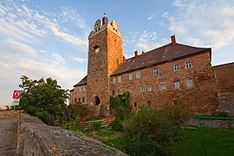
x=37 y=139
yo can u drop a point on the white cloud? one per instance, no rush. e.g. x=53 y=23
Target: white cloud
x=80 y=60
x=208 y=23
x=10 y=45
x=149 y=18
x=57 y=59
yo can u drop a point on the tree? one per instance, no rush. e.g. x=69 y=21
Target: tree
x=45 y=99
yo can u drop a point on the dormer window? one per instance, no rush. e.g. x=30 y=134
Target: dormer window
x=96 y=48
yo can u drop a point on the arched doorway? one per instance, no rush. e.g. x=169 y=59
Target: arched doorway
x=97 y=100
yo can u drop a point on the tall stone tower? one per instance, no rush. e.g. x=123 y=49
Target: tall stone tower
x=104 y=56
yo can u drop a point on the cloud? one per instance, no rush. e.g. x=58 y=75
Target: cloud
x=80 y=60
x=208 y=23
x=149 y=18
x=57 y=59
x=12 y=46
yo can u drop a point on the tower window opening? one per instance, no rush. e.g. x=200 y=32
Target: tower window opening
x=96 y=48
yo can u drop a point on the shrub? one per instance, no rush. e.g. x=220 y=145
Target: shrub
x=97 y=125
x=120 y=105
x=220 y=114
x=116 y=125
x=152 y=132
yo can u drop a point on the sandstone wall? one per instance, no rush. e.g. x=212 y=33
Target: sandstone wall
x=37 y=139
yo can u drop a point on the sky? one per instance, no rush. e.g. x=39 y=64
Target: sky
x=40 y=38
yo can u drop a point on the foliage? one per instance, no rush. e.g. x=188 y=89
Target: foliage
x=120 y=105
x=221 y=114
x=82 y=110
x=116 y=125
x=97 y=125
x=150 y=131
x=46 y=100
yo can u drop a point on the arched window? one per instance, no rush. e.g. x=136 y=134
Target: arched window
x=97 y=100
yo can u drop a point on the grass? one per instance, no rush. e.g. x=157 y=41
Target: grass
x=219 y=141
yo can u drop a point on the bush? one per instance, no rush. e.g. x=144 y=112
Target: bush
x=97 y=125
x=220 y=114
x=116 y=125
x=152 y=132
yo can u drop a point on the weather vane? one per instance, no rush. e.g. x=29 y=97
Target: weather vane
x=104 y=13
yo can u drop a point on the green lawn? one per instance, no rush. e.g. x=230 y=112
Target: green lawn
x=219 y=141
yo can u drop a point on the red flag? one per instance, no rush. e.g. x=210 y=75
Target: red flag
x=16 y=94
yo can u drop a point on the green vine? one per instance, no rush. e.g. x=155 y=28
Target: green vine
x=120 y=105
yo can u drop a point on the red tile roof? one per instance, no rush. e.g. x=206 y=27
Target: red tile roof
x=166 y=53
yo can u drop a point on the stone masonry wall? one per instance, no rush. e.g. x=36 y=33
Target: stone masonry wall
x=224 y=77
x=202 y=97
x=37 y=139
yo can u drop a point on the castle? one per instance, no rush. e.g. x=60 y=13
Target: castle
x=163 y=75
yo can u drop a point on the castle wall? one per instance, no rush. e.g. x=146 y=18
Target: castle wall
x=201 y=97
x=224 y=75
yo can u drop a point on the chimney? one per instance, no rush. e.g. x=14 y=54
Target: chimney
x=173 y=40
x=136 y=53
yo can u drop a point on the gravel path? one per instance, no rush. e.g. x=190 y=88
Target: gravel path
x=7 y=137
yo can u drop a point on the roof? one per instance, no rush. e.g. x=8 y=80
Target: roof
x=166 y=53
x=82 y=82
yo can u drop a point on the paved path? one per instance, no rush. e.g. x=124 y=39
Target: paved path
x=7 y=137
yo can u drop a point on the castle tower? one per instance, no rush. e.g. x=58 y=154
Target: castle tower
x=104 y=56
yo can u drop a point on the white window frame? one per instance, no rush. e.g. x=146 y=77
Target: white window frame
x=176 y=67
x=130 y=76
x=149 y=88
x=189 y=83
x=188 y=65
x=163 y=86
x=177 y=84
x=114 y=79
x=155 y=71
x=143 y=89
x=119 y=78
x=138 y=75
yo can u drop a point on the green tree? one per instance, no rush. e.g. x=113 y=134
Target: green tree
x=45 y=99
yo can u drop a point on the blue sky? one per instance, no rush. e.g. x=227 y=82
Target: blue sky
x=41 y=38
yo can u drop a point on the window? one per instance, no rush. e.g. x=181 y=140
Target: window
x=176 y=67
x=149 y=103
x=177 y=84
x=189 y=83
x=118 y=91
x=149 y=88
x=163 y=86
x=135 y=104
x=113 y=92
x=175 y=102
x=130 y=76
x=83 y=99
x=142 y=89
x=96 y=48
x=188 y=64
x=155 y=71
x=138 y=75
x=114 y=80
x=119 y=78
